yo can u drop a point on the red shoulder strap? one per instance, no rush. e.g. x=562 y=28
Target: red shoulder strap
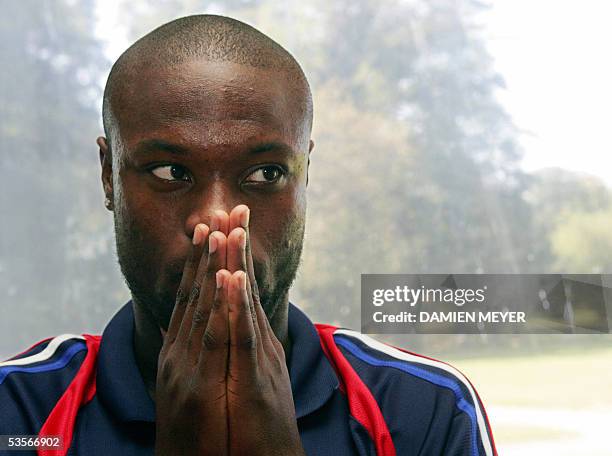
x=81 y=390
x=362 y=404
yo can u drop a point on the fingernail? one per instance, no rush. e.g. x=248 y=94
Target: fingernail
x=244 y=218
x=219 y=277
x=243 y=280
x=197 y=234
x=212 y=243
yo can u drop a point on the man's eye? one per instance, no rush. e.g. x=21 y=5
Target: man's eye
x=171 y=172
x=266 y=175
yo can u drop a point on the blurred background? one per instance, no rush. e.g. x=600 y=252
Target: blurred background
x=452 y=136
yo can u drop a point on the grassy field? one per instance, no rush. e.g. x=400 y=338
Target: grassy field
x=558 y=382
x=576 y=380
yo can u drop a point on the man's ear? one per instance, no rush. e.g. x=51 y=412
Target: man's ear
x=308 y=165
x=106 y=162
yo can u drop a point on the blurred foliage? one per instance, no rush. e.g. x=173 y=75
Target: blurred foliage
x=416 y=166
x=573 y=213
x=50 y=203
x=582 y=242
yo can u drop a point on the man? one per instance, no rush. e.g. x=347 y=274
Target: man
x=205 y=165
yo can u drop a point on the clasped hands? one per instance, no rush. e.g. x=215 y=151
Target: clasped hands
x=222 y=383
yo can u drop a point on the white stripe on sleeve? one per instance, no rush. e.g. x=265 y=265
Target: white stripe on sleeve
x=47 y=353
x=398 y=354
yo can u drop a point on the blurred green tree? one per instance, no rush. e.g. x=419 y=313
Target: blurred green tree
x=49 y=90
x=582 y=243
x=572 y=211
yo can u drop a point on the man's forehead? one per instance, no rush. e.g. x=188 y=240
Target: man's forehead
x=206 y=91
x=214 y=139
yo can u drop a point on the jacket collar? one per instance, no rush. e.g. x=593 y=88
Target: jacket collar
x=121 y=389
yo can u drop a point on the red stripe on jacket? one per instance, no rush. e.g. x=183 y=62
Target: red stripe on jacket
x=362 y=404
x=81 y=390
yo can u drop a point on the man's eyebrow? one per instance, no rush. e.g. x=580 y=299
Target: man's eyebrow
x=149 y=145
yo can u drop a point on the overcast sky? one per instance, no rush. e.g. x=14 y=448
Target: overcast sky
x=554 y=56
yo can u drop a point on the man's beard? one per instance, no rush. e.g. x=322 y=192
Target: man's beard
x=135 y=261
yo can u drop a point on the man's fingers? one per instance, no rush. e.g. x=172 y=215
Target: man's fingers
x=240 y=218
x=239 y=222
x=213 y=358
x=220 y=222
x=238 y=260
x=206 y=278
x=243 y=340
x=199 y=244
x=250 y=268
x=236 y=250
x=261 y=320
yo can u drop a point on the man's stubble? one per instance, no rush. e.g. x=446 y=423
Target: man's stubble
x=136 y=261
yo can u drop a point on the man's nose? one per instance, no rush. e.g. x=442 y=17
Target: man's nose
x=217 y=196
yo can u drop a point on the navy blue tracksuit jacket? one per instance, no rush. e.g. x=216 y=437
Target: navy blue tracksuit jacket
x=352 y=394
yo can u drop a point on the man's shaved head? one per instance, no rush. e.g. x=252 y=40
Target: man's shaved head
x=206 y=37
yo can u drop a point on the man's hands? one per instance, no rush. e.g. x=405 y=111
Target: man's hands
x=222 y=382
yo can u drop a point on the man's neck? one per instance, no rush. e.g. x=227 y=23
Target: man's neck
x=148 y=339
